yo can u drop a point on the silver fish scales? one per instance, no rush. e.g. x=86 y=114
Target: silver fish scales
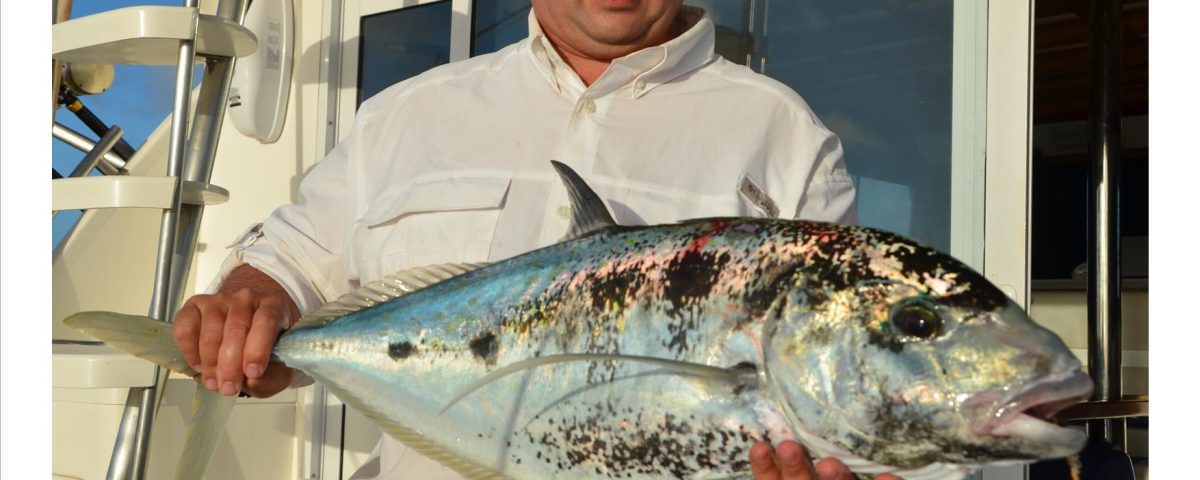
x=667 y=351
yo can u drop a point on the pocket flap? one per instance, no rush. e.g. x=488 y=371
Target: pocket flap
x=438 y=195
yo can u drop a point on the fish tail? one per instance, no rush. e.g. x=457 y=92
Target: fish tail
x=210 y=413
x=142 y=337
x=152 y=340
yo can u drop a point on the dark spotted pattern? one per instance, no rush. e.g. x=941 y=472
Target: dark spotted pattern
x=628 y=443
x=401 y=350
x=484 y=347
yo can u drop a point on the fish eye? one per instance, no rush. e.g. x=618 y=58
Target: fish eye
x=917 y=320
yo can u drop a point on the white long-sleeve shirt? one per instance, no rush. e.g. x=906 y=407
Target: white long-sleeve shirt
x=453 y=166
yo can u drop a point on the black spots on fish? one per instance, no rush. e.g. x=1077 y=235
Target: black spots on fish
x=691 y=276
x=401 y=350
x=773 y=283
x=625 y=442
x=982 y=296
x=748 y=373
x=678 y=330
x=920 y=261
x=817 y=298
x=484 y=347
x=612 y=291
x=856 y=442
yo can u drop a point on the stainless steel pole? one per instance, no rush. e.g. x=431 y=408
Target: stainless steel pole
x=98 y=151
x=133 y=444
x=1104 y=243
x=196 y=166
x=113 y=164
x=202 y=149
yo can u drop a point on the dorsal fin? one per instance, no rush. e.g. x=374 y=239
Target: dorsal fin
x=588 y=212
x=387 y=288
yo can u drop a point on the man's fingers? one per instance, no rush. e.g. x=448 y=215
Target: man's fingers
x=832 y=469
x=264 y=329
x=793 y=462
x=186 y=330
x=276 y=378
x=212 y=330
x=229 y=364
x=762 y=462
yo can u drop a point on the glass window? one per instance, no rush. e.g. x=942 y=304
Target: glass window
x=731 y=21
x=498 y=23
x=879 y=75
x=402 y=43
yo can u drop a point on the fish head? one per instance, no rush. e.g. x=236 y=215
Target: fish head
x=904 y=356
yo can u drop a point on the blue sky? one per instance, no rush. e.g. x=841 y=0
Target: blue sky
x=138 y=100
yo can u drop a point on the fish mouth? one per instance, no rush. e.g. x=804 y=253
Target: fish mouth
x=1032 y=413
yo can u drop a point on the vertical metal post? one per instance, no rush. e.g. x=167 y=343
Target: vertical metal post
x=179 y=227
x=131 y=446
x=1104 y=243
x=202 y=149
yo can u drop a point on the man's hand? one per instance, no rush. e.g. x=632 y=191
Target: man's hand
x=228 y=336
x=791 y=462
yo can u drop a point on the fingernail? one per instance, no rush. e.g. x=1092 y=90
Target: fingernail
x=210 y=383
x=253 y=370
x=788 y=457
x=228 y=389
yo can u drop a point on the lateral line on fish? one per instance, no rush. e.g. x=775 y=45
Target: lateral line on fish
x=734 y=375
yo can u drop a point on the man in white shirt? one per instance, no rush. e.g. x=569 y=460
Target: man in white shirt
x=629 y=93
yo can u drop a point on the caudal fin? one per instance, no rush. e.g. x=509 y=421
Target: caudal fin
x=142 y=337
x=151 y=340
x=210 y=412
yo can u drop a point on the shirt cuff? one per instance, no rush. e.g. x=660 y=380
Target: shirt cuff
x=256 y=249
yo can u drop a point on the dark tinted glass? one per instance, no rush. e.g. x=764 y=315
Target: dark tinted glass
x=498 y=23
x=401 y=43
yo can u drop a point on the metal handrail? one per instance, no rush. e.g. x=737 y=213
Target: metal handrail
x=98 y=151
x=113 y=164
x=190 y=159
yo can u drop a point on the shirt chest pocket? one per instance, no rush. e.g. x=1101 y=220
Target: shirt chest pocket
x=447 y=220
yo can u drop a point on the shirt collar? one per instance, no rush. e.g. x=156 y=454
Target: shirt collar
x=642 y=70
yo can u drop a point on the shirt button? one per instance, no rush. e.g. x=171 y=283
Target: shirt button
x=639 y=86
x=564 y=211
x=589 y=106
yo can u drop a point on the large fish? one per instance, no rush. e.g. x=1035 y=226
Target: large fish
x=667 y=351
